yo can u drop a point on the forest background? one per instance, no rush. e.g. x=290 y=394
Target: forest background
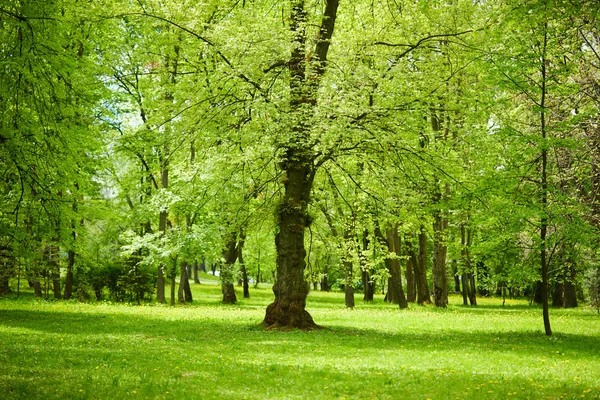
x=413 y=148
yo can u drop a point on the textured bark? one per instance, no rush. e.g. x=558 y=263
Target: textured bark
x=229 y=257
x=184 y=293
x=395 y=293
x=298 y=167
x=464 y=292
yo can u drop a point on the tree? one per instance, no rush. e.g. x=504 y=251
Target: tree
x=298 y=164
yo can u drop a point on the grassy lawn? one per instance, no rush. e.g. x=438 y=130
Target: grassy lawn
x=71 y=350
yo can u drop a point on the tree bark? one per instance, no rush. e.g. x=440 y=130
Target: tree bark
x=230 y=254
x=395 y=293
x=298 y=166
x=184 y=293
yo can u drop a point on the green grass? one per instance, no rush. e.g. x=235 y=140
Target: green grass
x=72 y=350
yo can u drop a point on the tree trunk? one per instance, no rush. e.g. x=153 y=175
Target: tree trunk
x=184 y=293
x=196 y=267
x=468 y=280
x=411 y=285
x=395 y=293
x=368 y=284
x=423 y=296
x=440 y=279
x=52 y=257
x=243 y=265
x=465 y=289
x=69 y=277
x=544 y=192
x=298 y=167
x=162 y=224
x=229 y=257
x=348 y=284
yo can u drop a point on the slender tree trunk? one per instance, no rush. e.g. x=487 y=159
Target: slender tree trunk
x=544 y=192
x=53 y=264
x=411 y=286
x=440 y=278
x=423 y=296
x=468 y=282
x=368 y=284
x=243 y=265
x=162 y=224
x=196 y=276
x=348 y=286
x=69 y=278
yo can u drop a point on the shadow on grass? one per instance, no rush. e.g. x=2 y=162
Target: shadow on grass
x=198 y=327
x=226 y=357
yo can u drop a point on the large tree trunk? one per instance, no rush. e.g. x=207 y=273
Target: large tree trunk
x=395 y=293
x=298 y=167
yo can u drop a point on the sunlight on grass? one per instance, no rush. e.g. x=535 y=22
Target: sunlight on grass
x=208 y=350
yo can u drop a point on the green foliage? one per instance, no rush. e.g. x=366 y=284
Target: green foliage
x=592 y=284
